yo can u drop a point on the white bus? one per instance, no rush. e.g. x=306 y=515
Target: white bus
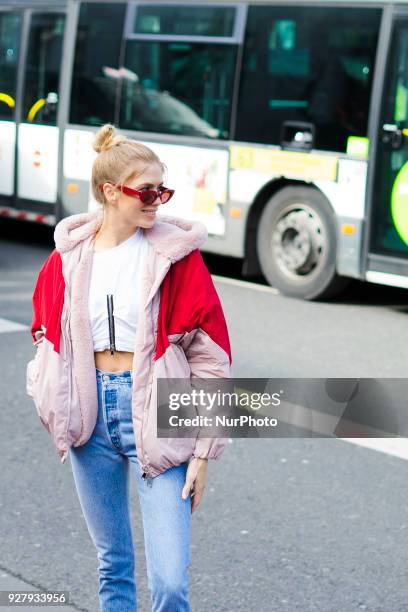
x=283 y=124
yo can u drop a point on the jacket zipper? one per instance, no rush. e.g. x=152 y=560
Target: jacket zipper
x=65 y=339
x=68 y=347
x=146 y=470
x=145 y=475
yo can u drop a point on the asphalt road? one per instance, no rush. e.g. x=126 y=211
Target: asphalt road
x=285 y=524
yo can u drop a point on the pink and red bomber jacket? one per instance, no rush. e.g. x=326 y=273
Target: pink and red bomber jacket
x=181 y=333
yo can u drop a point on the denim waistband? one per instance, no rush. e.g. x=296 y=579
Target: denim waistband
x=126 y=374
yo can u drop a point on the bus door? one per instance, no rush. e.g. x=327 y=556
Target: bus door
x=37 y=141
x=388 y=246
x=10 y=33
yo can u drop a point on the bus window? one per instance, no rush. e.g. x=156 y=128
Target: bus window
x=179 y=68
x=307 y=64
x=43 y=67
x=10 y=25
x=178 y=88
x=97 y=51
x=184 y=20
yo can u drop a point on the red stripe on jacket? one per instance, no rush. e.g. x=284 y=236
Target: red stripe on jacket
x=189 y=300
x=48 y=299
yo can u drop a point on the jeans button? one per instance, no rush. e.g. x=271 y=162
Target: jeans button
x=105 y=378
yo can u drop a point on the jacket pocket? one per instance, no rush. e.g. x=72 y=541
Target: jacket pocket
x=32 y=373
x=175 y=359
x=37 y=384
x=164 y=452
x=49 y=378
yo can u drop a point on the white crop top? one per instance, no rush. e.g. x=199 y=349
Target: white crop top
x=117 y=271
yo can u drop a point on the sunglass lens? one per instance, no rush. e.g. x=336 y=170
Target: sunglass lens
x=165 y=196
x=148 y=197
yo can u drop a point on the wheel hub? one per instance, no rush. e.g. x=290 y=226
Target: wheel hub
x=298 y=241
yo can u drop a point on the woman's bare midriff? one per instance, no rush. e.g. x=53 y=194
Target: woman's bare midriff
x=119 y=361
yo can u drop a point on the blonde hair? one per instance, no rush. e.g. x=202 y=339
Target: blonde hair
x=117 y=159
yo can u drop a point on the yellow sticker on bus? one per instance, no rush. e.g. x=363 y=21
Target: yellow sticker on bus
x=291 y=164
x=358 y=146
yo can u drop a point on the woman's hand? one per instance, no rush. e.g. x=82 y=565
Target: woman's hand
x=196 y=479
x=39 y=335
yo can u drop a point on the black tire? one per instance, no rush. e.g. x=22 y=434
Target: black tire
x=297 y=253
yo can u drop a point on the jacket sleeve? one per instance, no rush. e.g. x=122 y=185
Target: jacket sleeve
x=48 y=300
x=209 y=353
x=194 y=308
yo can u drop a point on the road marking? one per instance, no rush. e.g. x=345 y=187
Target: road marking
x=245 y=284
x=398 y=447
x=7 y=326
x=305 y=417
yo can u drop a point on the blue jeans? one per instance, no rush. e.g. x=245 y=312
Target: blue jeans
x=101 y=473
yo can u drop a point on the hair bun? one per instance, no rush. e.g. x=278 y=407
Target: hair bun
x=106 y=138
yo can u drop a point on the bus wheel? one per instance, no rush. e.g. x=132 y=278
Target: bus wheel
x=296 y=244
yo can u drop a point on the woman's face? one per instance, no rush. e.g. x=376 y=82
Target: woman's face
x=132 y=210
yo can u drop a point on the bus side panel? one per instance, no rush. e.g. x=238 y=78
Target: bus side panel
x=7 y=157
x=38 y=162
x=341 y=180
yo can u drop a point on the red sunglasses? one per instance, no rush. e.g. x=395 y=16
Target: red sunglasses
x=149 y=195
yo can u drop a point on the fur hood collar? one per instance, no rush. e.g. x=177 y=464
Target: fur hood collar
x=172 y=237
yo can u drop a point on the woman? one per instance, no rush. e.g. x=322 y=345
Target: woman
x=124 y=299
